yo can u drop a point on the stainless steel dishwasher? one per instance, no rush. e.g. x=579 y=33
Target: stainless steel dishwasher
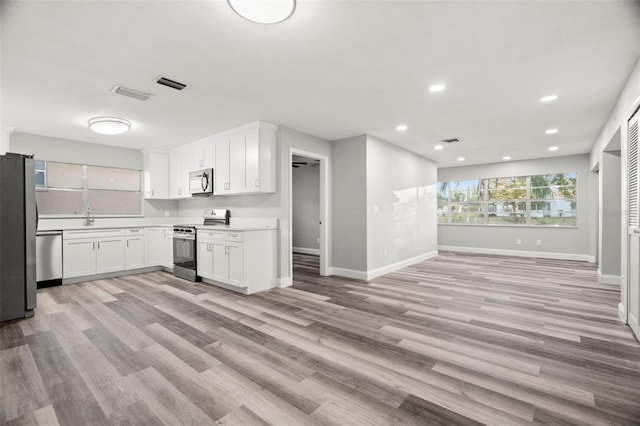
x=48 y=258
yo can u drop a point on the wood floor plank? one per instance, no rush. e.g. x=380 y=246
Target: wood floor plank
x=455 y=339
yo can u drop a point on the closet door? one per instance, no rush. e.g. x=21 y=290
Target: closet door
x=633 y=261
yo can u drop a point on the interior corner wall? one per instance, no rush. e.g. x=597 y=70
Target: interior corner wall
x=611 y=223
x=400 y=205
x=305 y=200
x=560 y=242
x=349 y=199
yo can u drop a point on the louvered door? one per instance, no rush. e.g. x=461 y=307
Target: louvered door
x=633 y=262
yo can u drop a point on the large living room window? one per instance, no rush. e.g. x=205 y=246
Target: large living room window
x=539 y=200
x=69 y=189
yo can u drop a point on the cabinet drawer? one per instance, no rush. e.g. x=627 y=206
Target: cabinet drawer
x=212 y=235
x=234 y=236
x=93 y=233
x=134 y=231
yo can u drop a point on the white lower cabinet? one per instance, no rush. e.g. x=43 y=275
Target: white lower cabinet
x=243 y=261
x=90 y=253
x=154 y=243
x=167 y=248
x=134 y=249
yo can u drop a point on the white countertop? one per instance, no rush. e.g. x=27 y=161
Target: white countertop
x=237 y=224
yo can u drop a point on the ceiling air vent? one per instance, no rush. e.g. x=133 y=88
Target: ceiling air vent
x=131 y=93
x=451 y=140
x=170 y=83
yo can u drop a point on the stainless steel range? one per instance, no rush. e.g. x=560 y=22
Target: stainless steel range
x=184 y=252
x=185 y=244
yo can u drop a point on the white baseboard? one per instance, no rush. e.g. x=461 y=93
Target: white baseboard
x=284 y=282
x=399 y=265
x=608 y=279
x=521 y=253
x=369 y=275
x=621 y=313
x=349 y=273
x=303 y=250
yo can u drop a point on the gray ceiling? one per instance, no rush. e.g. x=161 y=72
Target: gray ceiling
x=335 y=70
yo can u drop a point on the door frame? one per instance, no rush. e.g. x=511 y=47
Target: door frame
x=623 y=307
x=324 y=213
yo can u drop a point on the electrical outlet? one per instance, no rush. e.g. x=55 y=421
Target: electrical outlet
x=518 y=241
x=538 y=242
x=384 y=253
x=375 y=210
x=166 y=213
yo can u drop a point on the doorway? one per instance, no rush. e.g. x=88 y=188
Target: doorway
x=309 y=213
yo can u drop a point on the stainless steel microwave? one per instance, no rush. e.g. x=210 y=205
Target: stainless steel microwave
x=201 y=182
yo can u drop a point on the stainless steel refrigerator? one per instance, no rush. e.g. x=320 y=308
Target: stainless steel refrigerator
x=18 y=223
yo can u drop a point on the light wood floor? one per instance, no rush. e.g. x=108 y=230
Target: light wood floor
x=458 y=339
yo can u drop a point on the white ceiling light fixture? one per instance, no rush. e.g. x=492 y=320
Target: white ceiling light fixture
x=551 y=131
x=438 y=147
x=460 y=158
x=506 y=157
x=109 y=125
x=548 y=98
x=264 y=11
x=402 y=127
x=437 y=88
x=553 y=148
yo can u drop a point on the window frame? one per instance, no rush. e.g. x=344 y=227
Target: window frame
x=85 y=192
x=486 y=201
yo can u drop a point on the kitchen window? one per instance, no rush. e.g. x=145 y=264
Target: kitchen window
x=539 y=200
x=69 y=189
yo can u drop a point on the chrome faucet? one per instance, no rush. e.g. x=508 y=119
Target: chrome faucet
x=90 y=220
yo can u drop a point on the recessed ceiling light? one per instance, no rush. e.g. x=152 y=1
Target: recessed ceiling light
x=438 y=147
x=109 y=125
x=401 y=127
x=548 y=98
x=264 y=12
x=437 y=88
x=460 y=158
x=551 y=131
x=506 y=157
x=553 y=148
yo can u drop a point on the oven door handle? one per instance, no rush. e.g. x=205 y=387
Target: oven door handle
x=183 y=237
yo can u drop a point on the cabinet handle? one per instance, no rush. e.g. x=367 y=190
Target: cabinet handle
x=127 y=243
x=98 y=245
x=94 y=245
x=153 y=192
x=256 y=182
x=226 y=249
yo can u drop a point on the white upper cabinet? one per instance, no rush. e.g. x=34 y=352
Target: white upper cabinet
x=179 y=173
x=245 y=160
x=156 y=174
x=201 y=154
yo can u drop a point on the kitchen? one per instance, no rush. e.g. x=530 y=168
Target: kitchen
x=300 y=88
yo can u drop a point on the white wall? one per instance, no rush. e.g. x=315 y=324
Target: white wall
x=350 y=204
x=306 y=207
x=401 y=205
x=570 y=243
x=611 y=219
x=5 y=135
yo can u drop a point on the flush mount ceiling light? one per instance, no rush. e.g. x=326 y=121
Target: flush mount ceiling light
x=437 y=88
x=551 y=131
x=438 y=147
x=460 y=158
x=264 y=11
x=402 y=127
x=553 y=148
x=548 y=98
x=506 y=157
x=109 y=125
